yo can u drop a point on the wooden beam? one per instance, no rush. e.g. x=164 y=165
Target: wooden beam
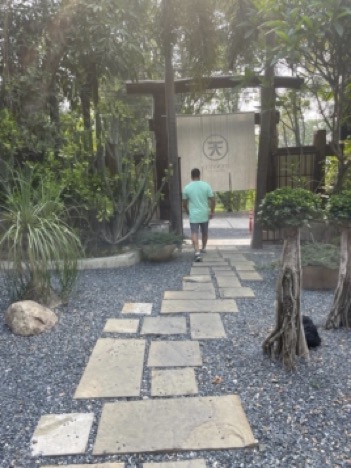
x=187 y=85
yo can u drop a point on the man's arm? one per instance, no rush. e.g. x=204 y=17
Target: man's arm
x=185 y=206
x=212 y=201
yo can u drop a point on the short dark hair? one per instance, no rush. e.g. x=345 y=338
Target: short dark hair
x=195 y=173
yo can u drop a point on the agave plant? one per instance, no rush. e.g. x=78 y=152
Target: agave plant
x=40 y=248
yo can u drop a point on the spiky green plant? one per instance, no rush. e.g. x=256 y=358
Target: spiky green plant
x=36 y=241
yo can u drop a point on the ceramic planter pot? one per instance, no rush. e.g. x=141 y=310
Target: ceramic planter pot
x=158 y=252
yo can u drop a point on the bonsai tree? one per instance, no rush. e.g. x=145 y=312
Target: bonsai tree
x=339 y=210
x=288 y=209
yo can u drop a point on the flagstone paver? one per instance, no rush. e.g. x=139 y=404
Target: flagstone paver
x=235 y=258
x=190 y=295
x=228 y=281
x=192 y=423
x=140 y=308
x=114 y=369
x=236 y=292
x=190 y=306
x=244 y=267
x=222 y=268
x=94 y=465
x=198 y=287
x=198 y=463
x=206 y=326
x=163 y=326
x=173 y=382
x=209 y=263
x=174 y=354
x=229 y=273
x=196 y=271
x=249 y=276
x=197 y=279
x=62 y=434
x=121 y=326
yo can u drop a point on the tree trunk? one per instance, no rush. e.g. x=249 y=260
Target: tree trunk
x=287 y=340
x=340 y=313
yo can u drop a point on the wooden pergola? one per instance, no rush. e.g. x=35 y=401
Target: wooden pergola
x=158 y=123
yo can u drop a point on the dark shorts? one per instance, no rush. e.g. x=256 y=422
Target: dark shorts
x=194 y=228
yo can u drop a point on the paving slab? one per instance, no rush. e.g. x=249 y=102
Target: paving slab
x=235 y=257
x=192 y=305
x=164 y=326
x=198 y=287
x=206 y=326
x=174 y=354
x=228 y=293
x=244 y=267
x=249 y=276
x=94 y=465
x=114 y=369
x=228 y=281
x=198 y=463
x=189 y=295
x=121 y=326
x=229 y=273
x=196 y=271
x=222 y=268
x=173 y=382
x=209 y=263
x=140 y=308
x=197 y=279
x=61 y=434
x=173 y=424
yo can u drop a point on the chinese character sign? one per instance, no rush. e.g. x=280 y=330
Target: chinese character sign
x=221 y=146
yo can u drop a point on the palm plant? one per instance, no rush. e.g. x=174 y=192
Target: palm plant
x=38 y=244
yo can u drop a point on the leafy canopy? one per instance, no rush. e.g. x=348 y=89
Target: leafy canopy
x=339 y=206
x=287 y=206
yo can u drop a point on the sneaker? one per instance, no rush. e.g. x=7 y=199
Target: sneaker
x=203 y=251
x=197 y=257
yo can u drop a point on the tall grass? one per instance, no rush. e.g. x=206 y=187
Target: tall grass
x=36 y=241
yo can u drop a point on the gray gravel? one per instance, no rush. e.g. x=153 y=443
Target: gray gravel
x=300 y=419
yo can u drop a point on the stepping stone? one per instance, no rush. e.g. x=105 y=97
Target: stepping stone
x=210 y=305
x=174 y=354
x=208 y=263
x=121 y=326
x=164 y=326
x=61 y=434
x=140 y=308
x=222 y=268
x=196 y=271
x=114 y=369
x=235 y=258
x=94 y=465
x=229 y=273
x=244 y=267
x=173 y=382
x=249 y=276
x=228 y=281
x=199 y=287
x=173 y=424
x=228 y=293
x=206 y=326
x=197 y=279
x=190 y=295
x=199 y=463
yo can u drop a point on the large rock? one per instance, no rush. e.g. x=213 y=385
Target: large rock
x=28 y=318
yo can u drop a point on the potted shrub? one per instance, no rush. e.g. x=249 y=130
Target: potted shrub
x=288 y=209
x=339 y=211
x=158 y=246
x=320 y=264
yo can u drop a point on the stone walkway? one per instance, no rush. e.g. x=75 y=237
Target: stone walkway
x=175 y=418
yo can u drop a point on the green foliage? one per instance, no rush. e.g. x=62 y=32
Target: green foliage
x=36 y=240
x=159 y=238
x=237 y=200
x=286 y=207
x=339 y=206
x=319 y=254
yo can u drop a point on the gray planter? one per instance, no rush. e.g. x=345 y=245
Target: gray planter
x=158 y=252
x=319 y=277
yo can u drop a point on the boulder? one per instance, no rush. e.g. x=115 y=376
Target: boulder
x=27 y=318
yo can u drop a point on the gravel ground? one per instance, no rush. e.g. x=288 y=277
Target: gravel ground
x=300 y=419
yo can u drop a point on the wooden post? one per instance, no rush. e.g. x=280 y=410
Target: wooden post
x=319 y=141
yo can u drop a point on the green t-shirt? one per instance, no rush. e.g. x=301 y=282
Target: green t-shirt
x=197 y=193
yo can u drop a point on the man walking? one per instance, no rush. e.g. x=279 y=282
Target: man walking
x=199 y=203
